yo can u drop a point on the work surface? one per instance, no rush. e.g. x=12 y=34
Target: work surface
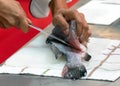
x=112 y=31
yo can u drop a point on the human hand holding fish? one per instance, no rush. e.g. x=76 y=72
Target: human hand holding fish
x=70 y=47
x=54 y=37
x=74 y=67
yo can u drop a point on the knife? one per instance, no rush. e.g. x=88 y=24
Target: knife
x=45 y=33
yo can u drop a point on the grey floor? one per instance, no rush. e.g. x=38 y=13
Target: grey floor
x=112 y=31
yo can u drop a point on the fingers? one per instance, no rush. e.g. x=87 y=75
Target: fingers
x=83 y=30
x=4 y=23
x=61 y=21
x=82 y=27
x=64 y=15
x=19 y=22
x=13 y=15
x=22 y=23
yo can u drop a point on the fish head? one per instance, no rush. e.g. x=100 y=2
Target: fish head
x=74 y=72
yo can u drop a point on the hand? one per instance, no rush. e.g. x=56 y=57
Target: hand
x=62 y=16
x=12 y=14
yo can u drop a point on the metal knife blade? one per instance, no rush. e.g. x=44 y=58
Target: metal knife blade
x=42 y=31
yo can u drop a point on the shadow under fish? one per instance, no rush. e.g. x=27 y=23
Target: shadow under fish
x=74 y=68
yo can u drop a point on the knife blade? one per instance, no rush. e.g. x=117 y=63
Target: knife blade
x=45 y=33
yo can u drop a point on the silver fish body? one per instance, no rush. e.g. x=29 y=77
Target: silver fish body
x=74 y=68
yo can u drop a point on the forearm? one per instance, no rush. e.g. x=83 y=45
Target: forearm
x=55 y=5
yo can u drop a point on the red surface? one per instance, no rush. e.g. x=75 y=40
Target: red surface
x=13 y=39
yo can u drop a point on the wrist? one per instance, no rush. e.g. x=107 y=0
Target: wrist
x=56 y=5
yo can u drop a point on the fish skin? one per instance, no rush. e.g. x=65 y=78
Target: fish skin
x=72 y=37
x=74 y=68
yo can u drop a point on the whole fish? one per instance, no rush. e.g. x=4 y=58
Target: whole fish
x=74 y=68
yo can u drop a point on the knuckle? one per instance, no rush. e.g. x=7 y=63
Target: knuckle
x=56 y=18
x=89 y=33
x=86 y=26
x=75 y=11
x=79 y=21
x=83 y=24
x=17 y=3
x=82 y=15
x=64 y=25
x=18 y=15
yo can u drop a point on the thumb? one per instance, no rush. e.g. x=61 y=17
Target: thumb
x=24 y=25
x=60 y=20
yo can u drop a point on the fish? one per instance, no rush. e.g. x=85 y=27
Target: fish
x=74 y=56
